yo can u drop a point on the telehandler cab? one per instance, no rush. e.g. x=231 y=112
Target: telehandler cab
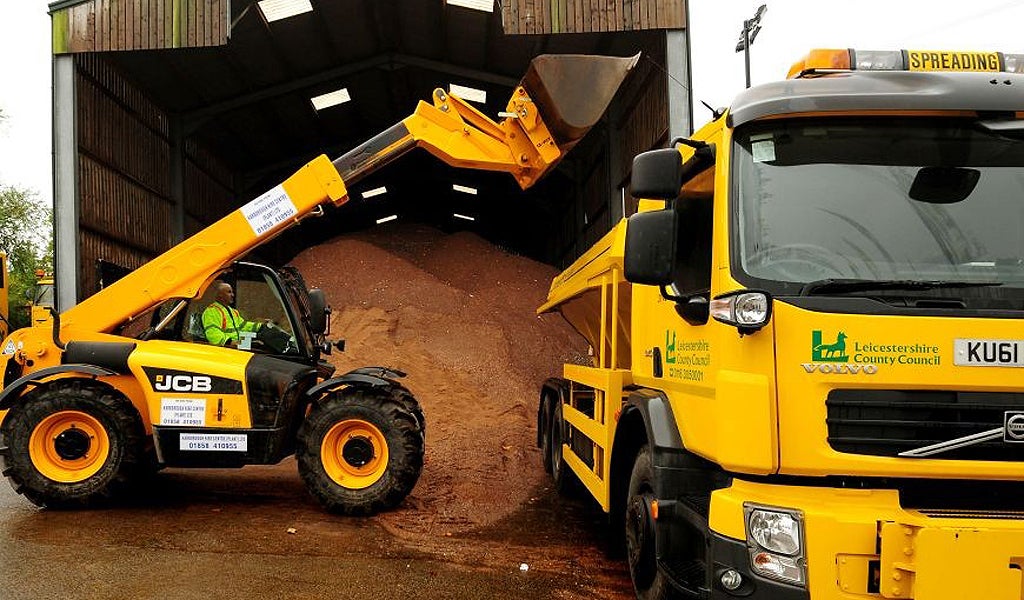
x=121 y=382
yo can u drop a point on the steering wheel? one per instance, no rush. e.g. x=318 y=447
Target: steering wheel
x=799 y=262
x=274 y=339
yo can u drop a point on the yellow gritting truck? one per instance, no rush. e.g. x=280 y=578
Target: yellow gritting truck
x=808 y=342
x=137 y=375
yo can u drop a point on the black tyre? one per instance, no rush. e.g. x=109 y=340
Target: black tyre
x=544 y=431
x=361 y=450
x=648 y=582
x=566 y=482
x=72 y=443
x=410 y=403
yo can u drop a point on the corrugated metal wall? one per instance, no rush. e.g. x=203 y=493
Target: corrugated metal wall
x=102 y=25
x=208 y=188
x=125 y=210
x=580 y=16
x=125 y=207
x=643 y=124
x=637 y=121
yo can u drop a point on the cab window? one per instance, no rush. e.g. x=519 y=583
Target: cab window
x=693 y=246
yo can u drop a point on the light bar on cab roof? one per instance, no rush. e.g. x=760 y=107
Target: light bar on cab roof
x=848 y=59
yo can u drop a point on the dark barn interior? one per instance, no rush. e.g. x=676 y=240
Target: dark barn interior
x=185 y=110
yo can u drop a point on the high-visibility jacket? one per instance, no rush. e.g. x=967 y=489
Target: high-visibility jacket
x=221 y=324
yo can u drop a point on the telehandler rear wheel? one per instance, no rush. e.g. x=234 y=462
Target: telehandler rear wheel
x=73 y=442
x=361 y=450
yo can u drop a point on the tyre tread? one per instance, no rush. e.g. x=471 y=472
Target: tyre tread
x=103 y=402
x=395 y=406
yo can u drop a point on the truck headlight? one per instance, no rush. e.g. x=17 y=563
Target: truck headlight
x=746 y=310
x=775 y=540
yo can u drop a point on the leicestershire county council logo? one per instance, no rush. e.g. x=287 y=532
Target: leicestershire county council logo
x=835 y=352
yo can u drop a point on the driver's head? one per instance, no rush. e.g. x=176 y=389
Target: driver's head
x=225 y=295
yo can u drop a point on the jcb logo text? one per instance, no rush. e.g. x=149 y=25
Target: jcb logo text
x=183 y=383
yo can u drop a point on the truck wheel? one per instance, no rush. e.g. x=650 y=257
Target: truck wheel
x=566 y=482
x=544 y=431
x=72 y=443
x=648 y=582
x=361 y=450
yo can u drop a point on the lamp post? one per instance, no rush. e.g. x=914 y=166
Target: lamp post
x=751 y=27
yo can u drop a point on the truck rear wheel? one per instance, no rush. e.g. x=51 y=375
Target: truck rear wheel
x=566 y=482
x=361 y=450
x=544 y=431
x=648 y=582
x=71 y=443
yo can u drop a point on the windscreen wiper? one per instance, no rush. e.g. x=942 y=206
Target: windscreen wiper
x=859 y=285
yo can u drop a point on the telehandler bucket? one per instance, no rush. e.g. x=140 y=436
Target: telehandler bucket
x=572 y=91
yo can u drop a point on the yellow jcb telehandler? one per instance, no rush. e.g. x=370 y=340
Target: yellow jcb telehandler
x=124 y=380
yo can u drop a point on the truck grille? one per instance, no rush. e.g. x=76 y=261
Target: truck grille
x=887 y=422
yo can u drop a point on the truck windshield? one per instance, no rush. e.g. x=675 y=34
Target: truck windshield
x=881 y=199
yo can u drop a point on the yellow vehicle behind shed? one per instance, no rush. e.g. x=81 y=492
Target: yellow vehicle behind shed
x=42 y=298
x=5 y=324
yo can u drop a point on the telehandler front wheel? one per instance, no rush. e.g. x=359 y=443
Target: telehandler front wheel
x=360 y=451
x=72 y=442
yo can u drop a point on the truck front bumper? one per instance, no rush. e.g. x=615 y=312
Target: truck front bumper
x=863 y=544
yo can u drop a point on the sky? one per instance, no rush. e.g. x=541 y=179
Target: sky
x=789 y=29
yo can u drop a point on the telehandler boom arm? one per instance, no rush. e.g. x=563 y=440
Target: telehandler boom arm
x=555 y=104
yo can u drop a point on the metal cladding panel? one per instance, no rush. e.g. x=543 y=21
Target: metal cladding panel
x=118 y=208
x=582 y=16
x=208 y=194
x=645 y=125
x=104 y=77
x=126 y=210
x=94 y=247
x=124 y=153
x=637 y=121
x=116 y=129
x=105 y=25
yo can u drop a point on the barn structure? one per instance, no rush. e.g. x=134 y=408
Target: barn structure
x=170 y=113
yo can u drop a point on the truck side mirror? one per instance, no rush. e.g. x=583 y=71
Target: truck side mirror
x=318 y=310
x=660 y=174
x=657 y=174
x=650 y=255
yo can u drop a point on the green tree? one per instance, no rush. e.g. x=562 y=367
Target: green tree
x=26 y=235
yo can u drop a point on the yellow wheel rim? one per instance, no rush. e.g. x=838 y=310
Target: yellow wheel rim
x=69 y=446
x=354 y=454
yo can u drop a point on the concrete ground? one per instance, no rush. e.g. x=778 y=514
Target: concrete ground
x=255 y=533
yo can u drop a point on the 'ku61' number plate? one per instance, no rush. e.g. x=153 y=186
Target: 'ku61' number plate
x=988 y=353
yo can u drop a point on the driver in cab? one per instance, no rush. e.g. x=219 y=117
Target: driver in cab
x=222 y=323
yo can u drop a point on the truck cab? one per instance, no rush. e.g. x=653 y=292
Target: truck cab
x=808 y=349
